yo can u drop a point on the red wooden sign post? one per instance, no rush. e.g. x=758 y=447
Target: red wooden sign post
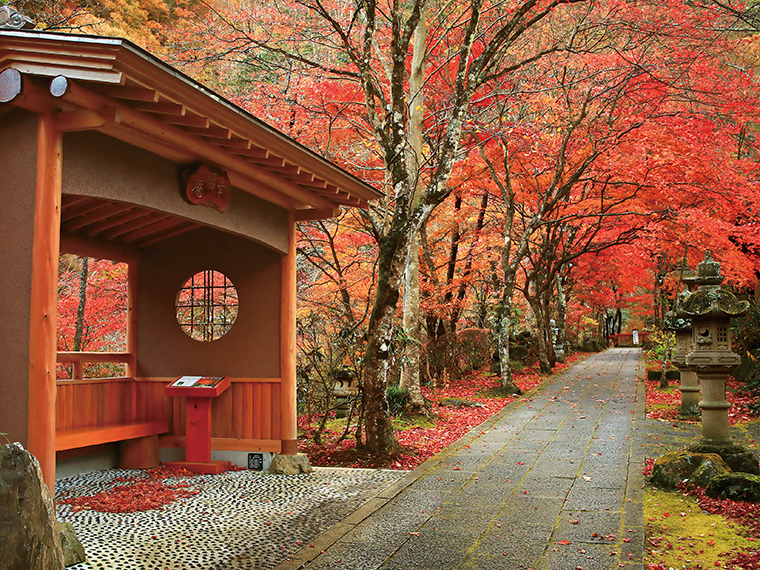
x=198 y=391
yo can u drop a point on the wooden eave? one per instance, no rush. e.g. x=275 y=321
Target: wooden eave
x=114 y=87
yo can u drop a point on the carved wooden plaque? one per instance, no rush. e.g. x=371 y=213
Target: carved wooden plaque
x=209 y=186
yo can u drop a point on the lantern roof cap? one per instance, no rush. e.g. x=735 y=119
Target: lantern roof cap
x=713 y=301
x=708 y=272
x=676 y=322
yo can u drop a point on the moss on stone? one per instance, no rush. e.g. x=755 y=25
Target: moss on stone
x=735 y=486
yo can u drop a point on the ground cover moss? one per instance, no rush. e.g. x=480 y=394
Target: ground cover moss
x=681 y=536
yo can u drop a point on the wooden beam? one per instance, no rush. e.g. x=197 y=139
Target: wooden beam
x=262 y=191
x=191 y=120
x=71 y=200
x=161 y=109
x=231 y=143
x=115 y=219
x=146 y=219
x=212 y=131
x=132 y=318
x=154 y=228
x=273 y=162
x=71 y=356
x=99 y=249
x=168 y=234
x=288 y=413
x=149 y=143
x=87 y=436
x=103 y=211
x=312 y=214
x=257 y=152
x=43 y=310
x=21 y=92
x=63 y=88
x=82 y=208
x=86 y=120
x=225 y=443
x=131 y=93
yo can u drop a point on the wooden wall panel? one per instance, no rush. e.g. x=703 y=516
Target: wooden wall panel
x=266 y=411
x=276 y=423
x=93 y=403
x=248 y=410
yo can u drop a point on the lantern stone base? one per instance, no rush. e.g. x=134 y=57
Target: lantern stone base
x=714 y=406
x=689 y=394
x=736 y=457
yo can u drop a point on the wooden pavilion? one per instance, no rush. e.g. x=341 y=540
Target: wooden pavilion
x=110 y=153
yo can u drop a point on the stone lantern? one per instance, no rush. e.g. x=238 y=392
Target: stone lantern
x=345 y=389
x=559 y=348
x=689 y=382
x=710 y=309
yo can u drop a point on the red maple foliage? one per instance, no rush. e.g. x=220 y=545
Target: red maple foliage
x=450 y=423
x=146 y=491
x=665 y=404
x=741 y=512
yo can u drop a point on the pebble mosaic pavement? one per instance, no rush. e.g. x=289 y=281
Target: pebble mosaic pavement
x=239 y=520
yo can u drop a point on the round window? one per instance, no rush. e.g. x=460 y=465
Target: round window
x=207 y=306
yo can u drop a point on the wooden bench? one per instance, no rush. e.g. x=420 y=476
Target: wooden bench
x=138 y=441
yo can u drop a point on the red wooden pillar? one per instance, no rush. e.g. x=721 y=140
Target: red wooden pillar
x=42 y=325
x=288 y=411
x=132 y=337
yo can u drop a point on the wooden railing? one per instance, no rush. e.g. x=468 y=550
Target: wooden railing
x=78 y=359
x=245 y=417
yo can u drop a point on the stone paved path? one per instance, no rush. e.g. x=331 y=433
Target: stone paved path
x=552 y=482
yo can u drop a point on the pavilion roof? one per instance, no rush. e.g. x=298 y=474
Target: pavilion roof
x=119 y=89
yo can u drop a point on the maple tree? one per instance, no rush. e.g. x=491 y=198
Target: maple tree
x=92 y=307
x=371 y=46
x=518 y=141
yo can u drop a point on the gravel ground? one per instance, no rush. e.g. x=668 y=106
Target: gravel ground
x=239 y=520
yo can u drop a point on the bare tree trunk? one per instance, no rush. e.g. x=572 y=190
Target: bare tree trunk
x=543 y=349
x=82 y=302
x=561 y=317
x=378 y=421
x=505 y=331
x=410 y=371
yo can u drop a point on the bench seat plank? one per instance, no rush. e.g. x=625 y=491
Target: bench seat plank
x=84 y=437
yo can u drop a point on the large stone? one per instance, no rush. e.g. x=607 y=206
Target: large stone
x=677 y=467
x=290 y=464
x=736 y=457
x=735 y=486
x=708 y=470
x=73 y=551
x=28 y=532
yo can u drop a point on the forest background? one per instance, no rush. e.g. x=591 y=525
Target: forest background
x=549 y=166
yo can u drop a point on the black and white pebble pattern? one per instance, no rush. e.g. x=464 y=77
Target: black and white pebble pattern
x=240 y=519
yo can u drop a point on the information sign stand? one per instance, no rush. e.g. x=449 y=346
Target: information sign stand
x=198 y=391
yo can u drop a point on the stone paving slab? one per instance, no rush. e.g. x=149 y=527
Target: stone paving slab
x=564 y=481
x=527 y=489
x=544 y=484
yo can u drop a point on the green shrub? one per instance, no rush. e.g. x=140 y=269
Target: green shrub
x=397 y=398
